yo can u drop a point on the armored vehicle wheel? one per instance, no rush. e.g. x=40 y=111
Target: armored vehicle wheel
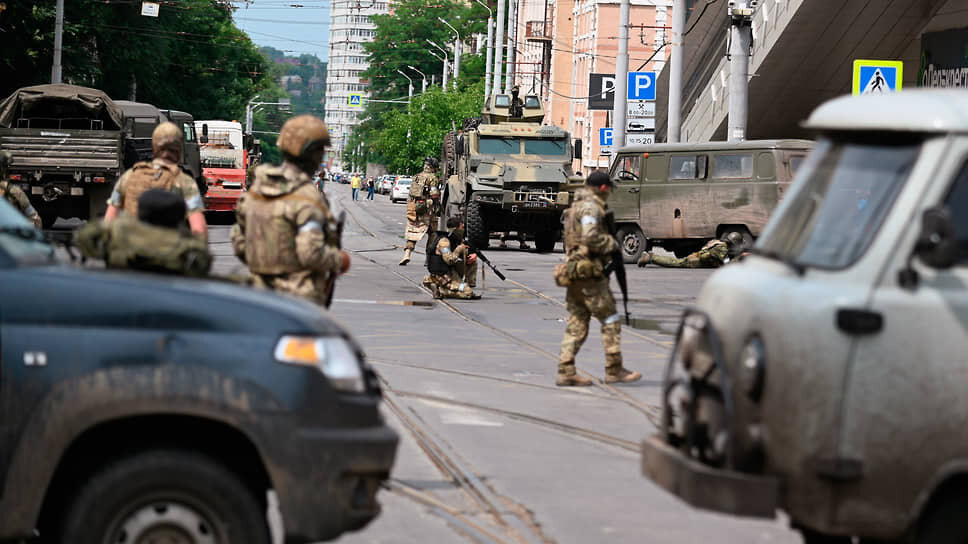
x=544 y=241
x=476 y=227
x=165 y=496
x=632 y=242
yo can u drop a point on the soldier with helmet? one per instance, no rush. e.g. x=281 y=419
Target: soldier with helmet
x=285 y=231
x=14 y=194
x=714 y=254
x=422 y=205
x=162 y=172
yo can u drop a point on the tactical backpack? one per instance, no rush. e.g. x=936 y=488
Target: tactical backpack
x=131 y=244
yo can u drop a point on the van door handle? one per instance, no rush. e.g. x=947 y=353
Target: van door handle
x=858 y=321
x=634 y=190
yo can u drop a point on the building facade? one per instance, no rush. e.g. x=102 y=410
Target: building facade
x=350 y=27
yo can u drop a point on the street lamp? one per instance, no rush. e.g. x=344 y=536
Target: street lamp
x=409 y=98
x=456 y=50
x=252 y=105
x=423 y=86
x=444 y=51
x=490 y=48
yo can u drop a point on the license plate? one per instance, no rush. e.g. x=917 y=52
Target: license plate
x=535 y=204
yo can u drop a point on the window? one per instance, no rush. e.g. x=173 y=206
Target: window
x=499 y=146
x=189 y=130
x=733 y=166
x=627 y=168
x=502 y=101
x=957 y=204
x=531 y=102
x=687 y=167
x=545 y=147
x=795 y=163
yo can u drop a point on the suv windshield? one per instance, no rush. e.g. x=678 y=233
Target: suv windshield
x=544 y=147
x=844 y=192
x=19 y=238
x=499 y=146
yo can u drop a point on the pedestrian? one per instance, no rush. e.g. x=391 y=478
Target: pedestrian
x=162 y=172
x=355 y=186
x=713 y=254
x=589 y=248
x=13 y=194
x=370 y=188
x=422 y=203
x=451 y=268
x=154 y=241
x=285 y=231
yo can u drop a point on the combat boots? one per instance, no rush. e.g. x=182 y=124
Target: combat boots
x=568 y=377
x=406 y=257
x=621 y=375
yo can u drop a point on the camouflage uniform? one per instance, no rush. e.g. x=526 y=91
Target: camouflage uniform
x=712 y=255
x=129 y=243
x=447 y=272
x=154 y=174
x=586 y=238
x=286 y=233
x=18 y=199
x=421 y=208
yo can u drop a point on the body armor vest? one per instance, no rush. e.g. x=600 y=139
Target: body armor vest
x=435 y=262
x=145 y=176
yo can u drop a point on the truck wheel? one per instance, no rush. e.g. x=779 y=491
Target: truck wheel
x=633 y=243
x=165 y=496
x=476 y=226
x=544 y=241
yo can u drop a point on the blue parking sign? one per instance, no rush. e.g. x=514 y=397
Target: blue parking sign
x=641 y=86
x=605 y=136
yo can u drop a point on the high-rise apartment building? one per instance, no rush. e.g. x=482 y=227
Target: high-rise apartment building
x=350 y=27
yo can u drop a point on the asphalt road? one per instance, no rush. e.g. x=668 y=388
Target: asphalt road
x=491 y=450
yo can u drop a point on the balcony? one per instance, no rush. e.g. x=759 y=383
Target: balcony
x=537 y=31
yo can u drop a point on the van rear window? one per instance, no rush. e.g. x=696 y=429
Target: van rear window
x=686 y=167
x=739 y=165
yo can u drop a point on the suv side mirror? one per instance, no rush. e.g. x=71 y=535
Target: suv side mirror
x=577 y=149
x=937 y=245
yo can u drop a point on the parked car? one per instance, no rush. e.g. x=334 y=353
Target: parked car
x=401 y=189
x=386 y=184
x=139 y=406
x=824 y=374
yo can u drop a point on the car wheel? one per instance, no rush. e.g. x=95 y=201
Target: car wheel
x=476 y=226
x=165 y=496
x=632 y=242
x=944 y=521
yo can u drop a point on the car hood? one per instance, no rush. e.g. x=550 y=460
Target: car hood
x=66 y=295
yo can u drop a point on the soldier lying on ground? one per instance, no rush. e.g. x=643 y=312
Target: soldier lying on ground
x=714 y=254
x=452 y=269
x=157 y=240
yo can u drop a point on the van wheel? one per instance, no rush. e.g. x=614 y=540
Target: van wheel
x=944 y=522
x=632 y=242
x=165 y=496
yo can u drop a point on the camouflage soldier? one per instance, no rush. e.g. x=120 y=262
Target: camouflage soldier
x=155 y=241
x=588 y=247
x=14 y=194
x=452 y=269
x=422 y=205
x=285 y=231
x=162 y=172
x=714 y=254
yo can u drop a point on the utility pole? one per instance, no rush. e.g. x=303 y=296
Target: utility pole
x=498 y=46
x=490 y=50
x=456 y=50
x=621 y=77
x=444 y=51
x=675 y=71
x=740 y=42
x=512 y=18
x=55 y=71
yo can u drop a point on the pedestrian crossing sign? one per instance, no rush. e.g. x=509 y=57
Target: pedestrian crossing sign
x=877 y=76
x=355 y=100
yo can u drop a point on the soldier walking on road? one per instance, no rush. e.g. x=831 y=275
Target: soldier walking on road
x=714 y=254
x=285 y=231
x=15 y=195
x=162 y=172
x=589 y=247
x=452 y=269
x=421 y=206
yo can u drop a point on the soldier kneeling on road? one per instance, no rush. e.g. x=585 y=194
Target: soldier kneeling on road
x=157 y=240
x=714 y=254
x=452 y=269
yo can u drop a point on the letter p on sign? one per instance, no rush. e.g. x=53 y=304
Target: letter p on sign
x=641 y=86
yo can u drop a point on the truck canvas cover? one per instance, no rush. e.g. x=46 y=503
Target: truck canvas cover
x=60 y=101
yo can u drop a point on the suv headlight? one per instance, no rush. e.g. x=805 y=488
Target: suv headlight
x=333 y=356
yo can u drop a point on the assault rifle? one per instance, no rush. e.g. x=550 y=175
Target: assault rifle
x=483 y=258
x=339 y=245
x=618 y=264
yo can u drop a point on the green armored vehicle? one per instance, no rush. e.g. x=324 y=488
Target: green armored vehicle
x=505 y=171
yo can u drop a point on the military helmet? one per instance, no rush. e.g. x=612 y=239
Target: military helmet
x=302 y=135
x=432 y=162
x=167 y=136
x=734 y=240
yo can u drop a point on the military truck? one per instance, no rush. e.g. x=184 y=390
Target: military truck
x=506 y=171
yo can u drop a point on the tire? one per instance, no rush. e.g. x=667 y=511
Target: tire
x=944 y=521
x=544 y=241
x=476 y=227
x=633 y=243
x=165 y=492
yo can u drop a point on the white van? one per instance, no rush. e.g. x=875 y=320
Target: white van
x=826 y=374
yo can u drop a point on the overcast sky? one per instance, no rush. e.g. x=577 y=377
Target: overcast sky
x=278 y=24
